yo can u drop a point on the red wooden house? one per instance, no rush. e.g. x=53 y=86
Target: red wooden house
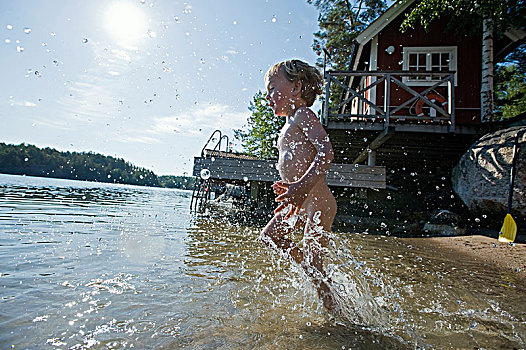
x=410 y=100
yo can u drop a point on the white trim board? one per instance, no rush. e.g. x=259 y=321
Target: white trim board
x=381 y=22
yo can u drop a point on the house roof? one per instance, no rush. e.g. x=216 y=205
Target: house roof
x=381 y=22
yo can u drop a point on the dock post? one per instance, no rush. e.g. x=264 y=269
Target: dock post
x=254 y=191
x=371 y=158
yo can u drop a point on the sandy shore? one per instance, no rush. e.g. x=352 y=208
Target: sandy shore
x=477 y=248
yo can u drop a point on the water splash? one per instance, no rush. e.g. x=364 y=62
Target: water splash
x=205 y=174
x=360 y=294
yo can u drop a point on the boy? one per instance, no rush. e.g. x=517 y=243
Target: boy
x=305 y=154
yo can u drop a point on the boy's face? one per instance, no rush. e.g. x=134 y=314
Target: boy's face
x=281 y=94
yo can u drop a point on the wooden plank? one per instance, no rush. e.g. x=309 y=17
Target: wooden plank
x=340 y=175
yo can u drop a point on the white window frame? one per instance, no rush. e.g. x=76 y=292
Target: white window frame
x=428 y=50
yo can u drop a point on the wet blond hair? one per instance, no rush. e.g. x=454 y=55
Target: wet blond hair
x=296 y=70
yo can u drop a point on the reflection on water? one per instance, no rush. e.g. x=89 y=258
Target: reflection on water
x=100 y=266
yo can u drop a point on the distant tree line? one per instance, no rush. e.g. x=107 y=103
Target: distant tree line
x=47 y=162
x=171 y=181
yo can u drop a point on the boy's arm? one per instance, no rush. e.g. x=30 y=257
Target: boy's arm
x=297 y=191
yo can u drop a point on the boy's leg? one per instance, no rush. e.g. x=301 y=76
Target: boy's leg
x=316 y=240
x=277 y=231
x=318 y=224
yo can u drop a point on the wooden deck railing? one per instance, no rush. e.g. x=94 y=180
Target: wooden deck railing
x=384 y=86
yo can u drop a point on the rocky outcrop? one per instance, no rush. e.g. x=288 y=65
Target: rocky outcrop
x=481 y=177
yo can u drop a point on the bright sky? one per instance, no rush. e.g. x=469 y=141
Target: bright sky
x=143 y=80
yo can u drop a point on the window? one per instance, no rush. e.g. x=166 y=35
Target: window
x=424 y=59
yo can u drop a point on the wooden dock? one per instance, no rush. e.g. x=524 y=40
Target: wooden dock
x=217 y=168
x=237 y=170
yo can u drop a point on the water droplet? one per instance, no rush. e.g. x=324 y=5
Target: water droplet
x=26 y=159
x=205 y=174
x=274 y=19
x=7 y=41
x=151 y=33
x=84 y=40
x=27 y=30
x=245 y=179
x=52 y=34
x=19 y=49
x=9 y=26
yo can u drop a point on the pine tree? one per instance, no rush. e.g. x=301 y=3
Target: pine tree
x=340 y=21
x=261 y=134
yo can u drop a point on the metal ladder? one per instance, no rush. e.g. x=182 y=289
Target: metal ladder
x=201 y=192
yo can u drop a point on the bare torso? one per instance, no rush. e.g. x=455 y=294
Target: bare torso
x=296 y=154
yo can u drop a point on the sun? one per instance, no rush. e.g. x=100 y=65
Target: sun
x=125 y=22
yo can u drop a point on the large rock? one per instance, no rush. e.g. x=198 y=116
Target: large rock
x=481 y=177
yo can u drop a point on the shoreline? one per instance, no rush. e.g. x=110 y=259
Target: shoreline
x=508 y=258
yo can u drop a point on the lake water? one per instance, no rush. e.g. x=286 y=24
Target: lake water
x=100 y=266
